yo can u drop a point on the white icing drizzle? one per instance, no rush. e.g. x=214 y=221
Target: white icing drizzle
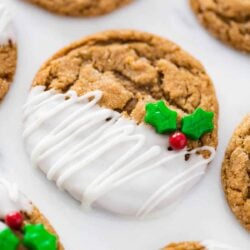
x=6 y=29
x=11 y=199
x=214 y=245
x=104 y=159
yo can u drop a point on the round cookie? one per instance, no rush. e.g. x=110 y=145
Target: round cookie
x=8 y=51
x=81 y=7
x=236 y=173
x=226 y=19
x=22 y=226
x=203 y=245
x=84 y=121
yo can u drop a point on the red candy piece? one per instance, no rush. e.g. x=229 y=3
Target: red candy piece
x=178 y=141
x=14 y=220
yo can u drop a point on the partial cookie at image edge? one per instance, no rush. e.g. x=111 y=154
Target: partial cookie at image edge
x=22 y=225
x=201 y=245
x=228 y=21
x=184 y=246
x=8 y=51
x=82 y=7
x=236 y=173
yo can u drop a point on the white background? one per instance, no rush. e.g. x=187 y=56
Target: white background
x=204 y=213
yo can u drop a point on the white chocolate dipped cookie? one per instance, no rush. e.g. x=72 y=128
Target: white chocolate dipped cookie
x=22 y=226
x=108 y=124
x=8 y=50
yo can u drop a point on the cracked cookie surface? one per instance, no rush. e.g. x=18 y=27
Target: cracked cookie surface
x=132 y=68
x=8 y=59
x=80 y=7
x=229 y=20
x=8 y=50
x=236 y=173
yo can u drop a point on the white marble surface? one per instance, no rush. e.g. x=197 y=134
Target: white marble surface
x=204 y=213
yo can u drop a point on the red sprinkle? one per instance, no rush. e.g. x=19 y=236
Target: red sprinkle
x=14 y=220
x=178 y=141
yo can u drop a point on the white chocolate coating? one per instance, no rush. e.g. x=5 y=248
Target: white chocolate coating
x=6 y=29
x=11 y=199
x=214 y=245
x=103 y=159
x=2 y=226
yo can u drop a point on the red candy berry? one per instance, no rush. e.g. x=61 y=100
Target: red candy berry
x=14 y=220
x=178 y=141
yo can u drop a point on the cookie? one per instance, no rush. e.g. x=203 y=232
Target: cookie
x=185 y=246
x=228 y=20
x=100 y=116
x=81 y=7
x=236 y=173
x=8 y=51
x=203 y=245
x=22 y=226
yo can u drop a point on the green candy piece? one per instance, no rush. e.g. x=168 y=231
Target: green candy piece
x=163 y=119
x=8 y=240
x=197 y=124
x=36 y=237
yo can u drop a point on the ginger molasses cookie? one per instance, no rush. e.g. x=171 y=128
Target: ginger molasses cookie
x=8 y=51
x=236 y=173
x=203 y=245
x=117 y=119
x=185 y=246
x=226 y=19
x=22 y=226
x=81 y=7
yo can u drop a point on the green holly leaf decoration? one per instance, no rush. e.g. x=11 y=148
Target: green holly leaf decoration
x=197 y=124
x=36 y=237
x=163 y=119
x=8 y=240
